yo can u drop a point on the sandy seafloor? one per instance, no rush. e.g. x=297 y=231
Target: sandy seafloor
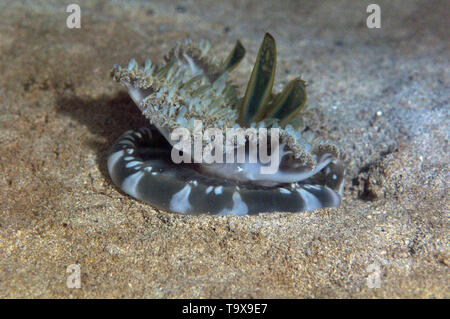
x=383 y=95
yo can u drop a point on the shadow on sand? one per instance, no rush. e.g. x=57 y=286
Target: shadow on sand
x=106 y=117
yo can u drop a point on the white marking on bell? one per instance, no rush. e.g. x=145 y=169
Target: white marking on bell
x=193 y=182
x=147 y=169
x=128 y=158
x=180 y=201
x=133 y=164
x=129 y=184
x=239 y=207
x=336 y=197
x=218 y=190
x=341 y=188
x=334 y=176
x=209 y=189
x=311 y=201
x=112 y=160
x=284 y=190
x=317 y=188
